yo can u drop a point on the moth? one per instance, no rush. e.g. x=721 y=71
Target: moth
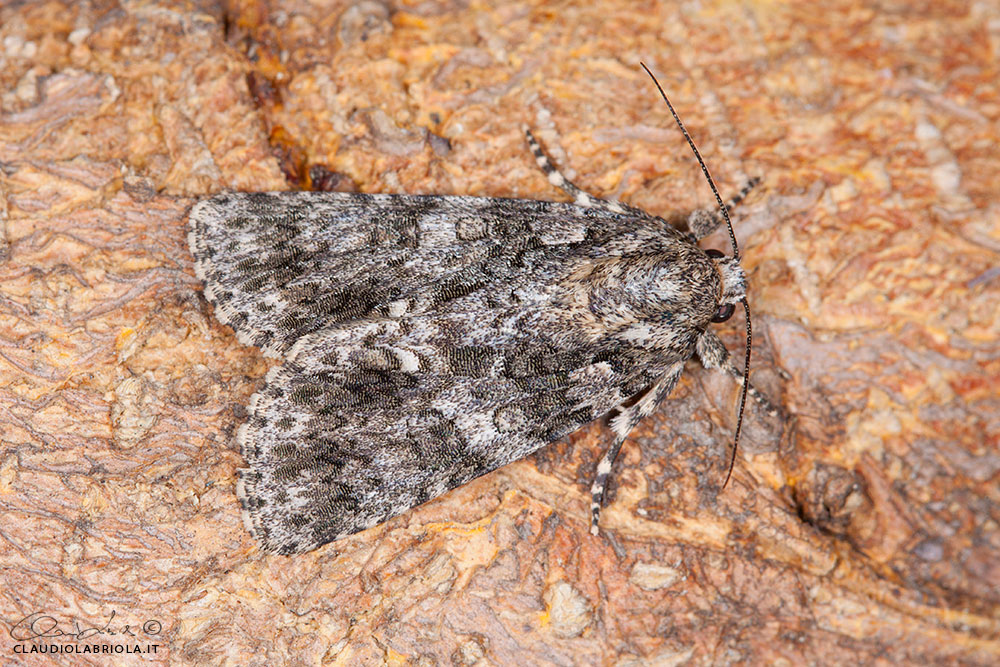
x=427 y=340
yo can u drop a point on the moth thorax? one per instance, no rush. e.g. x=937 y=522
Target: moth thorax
x=680 y=285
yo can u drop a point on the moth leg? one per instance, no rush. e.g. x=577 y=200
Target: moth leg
x=704 y=221
x=621 y=425
x=713 y=354
x=580 y=198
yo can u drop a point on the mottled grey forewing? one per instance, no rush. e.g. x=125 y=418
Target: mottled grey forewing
x=348 y=434
x=280 y=265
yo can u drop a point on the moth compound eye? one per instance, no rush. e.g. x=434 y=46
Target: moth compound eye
x=724 y=313
x=725 y=310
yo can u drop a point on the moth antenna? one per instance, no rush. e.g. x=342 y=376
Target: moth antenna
x=743 y=394
x=736 y=256
x=704 y=167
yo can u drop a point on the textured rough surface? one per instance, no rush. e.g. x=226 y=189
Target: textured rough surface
x=864 y=527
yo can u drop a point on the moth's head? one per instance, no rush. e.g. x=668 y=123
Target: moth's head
x=734 y=284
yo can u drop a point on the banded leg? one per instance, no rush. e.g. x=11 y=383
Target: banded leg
x=580 y=198
x=713 y=354
x=704 y=221
x=621 y=425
